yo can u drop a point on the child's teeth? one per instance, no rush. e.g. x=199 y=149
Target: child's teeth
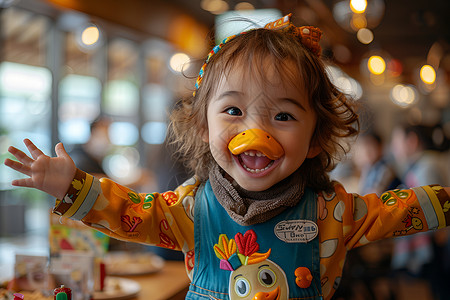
x=253 y=153
x=258 y=170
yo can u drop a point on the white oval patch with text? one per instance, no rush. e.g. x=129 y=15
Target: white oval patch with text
x=296 y=231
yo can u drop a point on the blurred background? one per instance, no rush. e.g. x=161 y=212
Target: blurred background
x=101 y=76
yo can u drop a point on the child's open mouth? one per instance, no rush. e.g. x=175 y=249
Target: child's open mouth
x=256 y=151
x=254 y=161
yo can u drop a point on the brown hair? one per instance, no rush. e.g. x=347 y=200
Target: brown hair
x=336 y=117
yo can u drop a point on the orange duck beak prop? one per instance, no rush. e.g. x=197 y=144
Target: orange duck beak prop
x=258 y=140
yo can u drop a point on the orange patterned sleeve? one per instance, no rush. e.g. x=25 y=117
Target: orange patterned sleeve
x=396 y=213
x=161 y=219
x=348 y=221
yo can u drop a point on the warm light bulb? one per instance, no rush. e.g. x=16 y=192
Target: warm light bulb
x=376 y=65
x=214 y=6
x=244 y=6
x=365 y=36
x=403 y=95
x=90 y=35
x=358 y=22
x=427 y=74
x=178 y=61
x=358 y=6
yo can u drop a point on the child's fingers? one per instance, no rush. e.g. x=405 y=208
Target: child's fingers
x=34 y=151
x=60 y=150
x=20 y=155
x=18 y=166
x=26 y=182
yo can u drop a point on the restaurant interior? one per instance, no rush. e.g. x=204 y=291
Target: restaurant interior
x=66 y=65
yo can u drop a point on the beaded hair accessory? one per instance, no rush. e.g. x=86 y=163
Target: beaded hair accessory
x=308 y=35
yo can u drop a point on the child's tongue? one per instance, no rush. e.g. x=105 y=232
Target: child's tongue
x=253 y=161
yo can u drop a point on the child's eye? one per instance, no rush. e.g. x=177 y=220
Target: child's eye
x=284 y=117
x=234 y=111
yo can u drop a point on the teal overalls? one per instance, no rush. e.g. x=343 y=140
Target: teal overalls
x=269 y=256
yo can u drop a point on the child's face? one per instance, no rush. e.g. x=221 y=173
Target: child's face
x=242 y=102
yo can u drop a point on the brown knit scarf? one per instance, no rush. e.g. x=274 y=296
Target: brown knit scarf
x=247 y=207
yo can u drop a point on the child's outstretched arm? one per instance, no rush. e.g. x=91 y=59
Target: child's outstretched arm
x=52 y=175
x=106 y=205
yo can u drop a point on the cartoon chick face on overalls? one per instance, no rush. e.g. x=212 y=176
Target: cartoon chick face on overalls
x=253 y=275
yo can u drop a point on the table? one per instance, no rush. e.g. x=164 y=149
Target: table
x=169 y=283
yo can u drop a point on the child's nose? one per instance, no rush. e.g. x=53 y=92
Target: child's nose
x=258 y=140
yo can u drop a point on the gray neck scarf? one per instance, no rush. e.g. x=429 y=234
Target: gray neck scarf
x=247 y=207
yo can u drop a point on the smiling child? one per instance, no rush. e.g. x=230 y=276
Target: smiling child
x=260 y=219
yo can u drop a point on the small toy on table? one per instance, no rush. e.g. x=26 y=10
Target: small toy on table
x=62 y=293
x=18 y=296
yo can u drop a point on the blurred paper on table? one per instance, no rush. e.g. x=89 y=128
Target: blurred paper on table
x=31 y=272
x=74 y=269
x=73 y=235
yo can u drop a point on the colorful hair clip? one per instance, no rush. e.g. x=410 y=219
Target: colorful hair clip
x=308 y=35
x=213 y=51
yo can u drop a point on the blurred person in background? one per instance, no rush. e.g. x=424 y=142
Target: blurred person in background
x=368 y=267
x=418 y=155
x=376 y=173
x=90 y=155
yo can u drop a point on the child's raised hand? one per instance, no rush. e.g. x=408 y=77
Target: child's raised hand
x=52 y=175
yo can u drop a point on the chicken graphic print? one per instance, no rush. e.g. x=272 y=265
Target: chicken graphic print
x=253 y=275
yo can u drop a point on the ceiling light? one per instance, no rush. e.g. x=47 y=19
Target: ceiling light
x=358 y=22
x=376 y=65
x=90 y=35
x=178 y=61
x=351 y=20
x=214 y=6
x=427 y=74
x=358 y=6
x=403 y=95
x=244 y=6
x=365 y=36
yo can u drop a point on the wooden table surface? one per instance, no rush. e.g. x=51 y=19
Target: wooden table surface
x=169 y=283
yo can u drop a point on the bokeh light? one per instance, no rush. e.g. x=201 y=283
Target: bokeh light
x=403 y=95
x=244 y=6
x=358 y=6
x=358 y=22
x=395 y=67
x=154 y=133
x=216 y=7
x=376 y=65
x=344 y=83
x=123 y=133
x=427 y=74
x=123 y=165
x=178 y=61
x=360 y=14
x=365 y=36
x=90 y=35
